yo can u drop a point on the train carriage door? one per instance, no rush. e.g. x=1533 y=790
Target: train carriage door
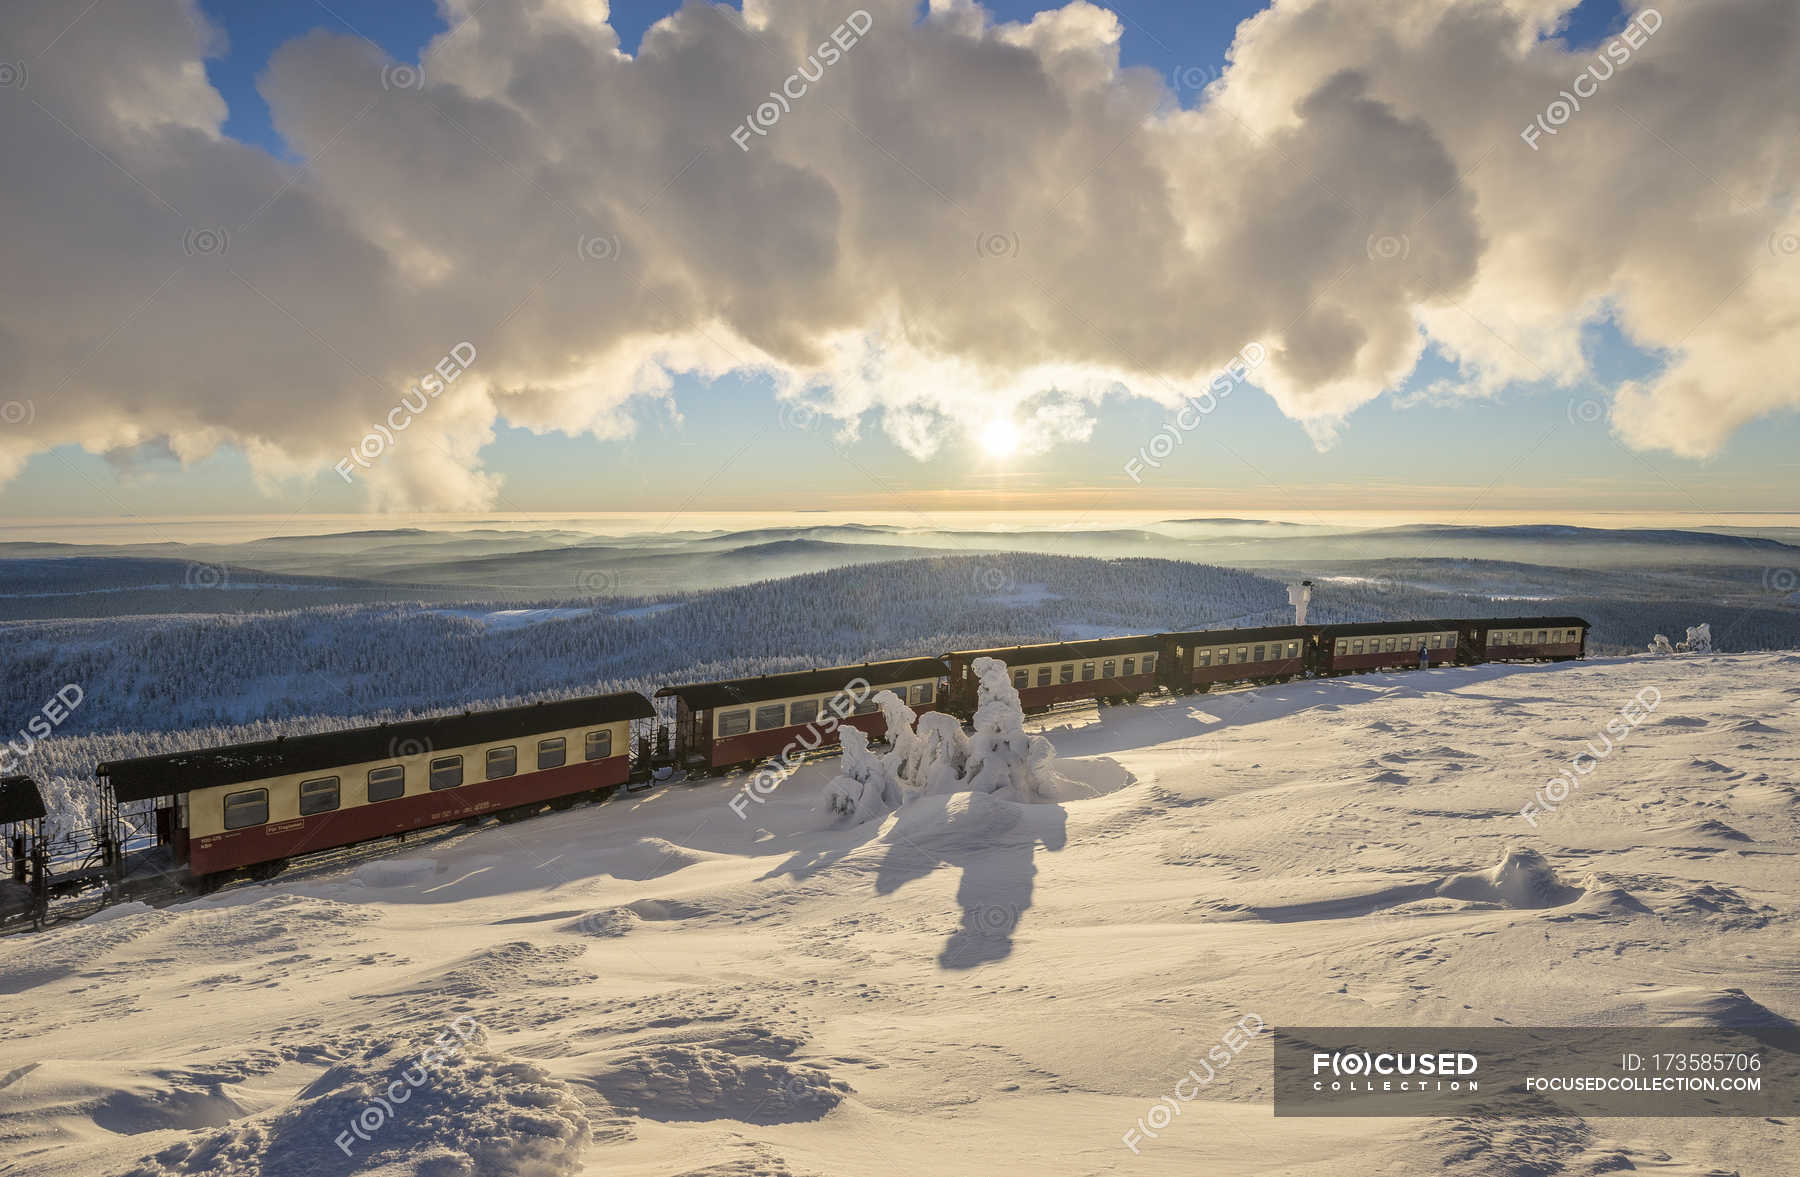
x=693 y=733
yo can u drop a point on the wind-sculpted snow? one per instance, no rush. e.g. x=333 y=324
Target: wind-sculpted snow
x=404 y=1109
x=968 y=985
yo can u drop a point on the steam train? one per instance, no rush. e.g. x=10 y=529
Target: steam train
x=253 y=807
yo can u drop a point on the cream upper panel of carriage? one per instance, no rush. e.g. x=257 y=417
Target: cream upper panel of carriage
x=1246 y=652
x=1531 y=637
x=248 y=804
x=799 y=710
x=1402 y=643
x=1063 y=670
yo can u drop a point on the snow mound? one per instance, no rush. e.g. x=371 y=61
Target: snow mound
x=1721 y=906
x=402 y=1109
x=648 y=858
x=508 y=971
x=604 y=925
x=660 y=910
x=1724 y=1008
x=1704 y=827
x=1523 y=879
x=684 y=1081
x=230 y=926
x=1603 y=900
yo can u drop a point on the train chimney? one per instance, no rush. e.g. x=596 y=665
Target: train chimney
x=1300 y=596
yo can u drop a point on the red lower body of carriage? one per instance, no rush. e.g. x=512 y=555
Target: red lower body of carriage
x=382 y=819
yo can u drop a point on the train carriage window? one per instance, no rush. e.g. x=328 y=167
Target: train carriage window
x=1343 y=645
x=249 y=808
x=1087 y=672
x=771 y=715
x=1293 y=649
x=1130 y=667
x=1356 y=646
x=1021 y=679
x=734 y=723
x=1543 y=636
x=1243 y=654
x=599 y=744
x=387 y=783
x=318 y=796
x=1043 y=676
x=1260 y=651
x=805 y=711
x=446 y=772
x=1109 y=669
x=924 y=693
x=1201 y=658
x=867 y=705
x=1068 y=672
x=1149 y=663
x=502 y=762
x=552 y=753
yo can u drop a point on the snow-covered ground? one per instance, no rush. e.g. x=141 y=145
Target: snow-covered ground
x=971 y=985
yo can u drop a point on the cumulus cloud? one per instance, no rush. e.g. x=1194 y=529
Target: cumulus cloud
x=959 y=220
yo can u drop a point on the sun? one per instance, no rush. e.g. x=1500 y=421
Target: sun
x=1000 y=438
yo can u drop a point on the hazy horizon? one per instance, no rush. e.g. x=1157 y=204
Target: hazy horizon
x=241 y=528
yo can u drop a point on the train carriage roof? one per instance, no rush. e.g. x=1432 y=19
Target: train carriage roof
x=704 y=696
x=1057 y=651
x=1261 y=633
x=1528 y=622
x=200 y=768
x=19 y=800
x=1358 y=629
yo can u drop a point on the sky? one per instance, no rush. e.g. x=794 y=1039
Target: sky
x=763 y=409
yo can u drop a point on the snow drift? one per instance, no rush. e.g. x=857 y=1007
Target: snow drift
x=401 y=1107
